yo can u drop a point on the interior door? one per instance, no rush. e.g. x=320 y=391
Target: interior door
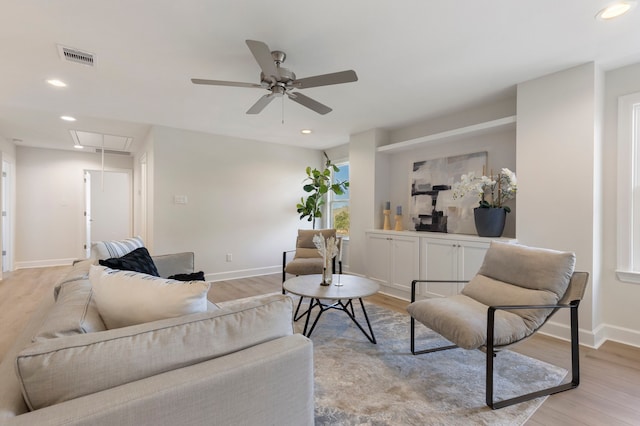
x=108 y=206
x=7 y=212
x=87 y=213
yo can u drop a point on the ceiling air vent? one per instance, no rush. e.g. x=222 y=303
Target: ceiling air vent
x=75 y=55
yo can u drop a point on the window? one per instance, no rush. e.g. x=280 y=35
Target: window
x=629 y=188
x=339 y=204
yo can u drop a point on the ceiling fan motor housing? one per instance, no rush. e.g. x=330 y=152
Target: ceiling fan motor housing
x=286 y=76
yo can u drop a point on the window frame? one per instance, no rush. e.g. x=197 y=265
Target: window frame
x=331 y=198
x=628 y=255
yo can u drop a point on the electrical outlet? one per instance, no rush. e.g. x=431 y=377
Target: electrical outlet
x=229 y=257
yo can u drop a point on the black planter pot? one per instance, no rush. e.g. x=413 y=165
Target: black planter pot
x=489 y=222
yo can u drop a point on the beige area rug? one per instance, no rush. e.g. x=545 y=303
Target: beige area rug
x=359 y=383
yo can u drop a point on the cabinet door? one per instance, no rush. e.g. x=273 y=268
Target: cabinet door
x=470 y=258
x=440 y=262
x=405 y=262
x=378 y=257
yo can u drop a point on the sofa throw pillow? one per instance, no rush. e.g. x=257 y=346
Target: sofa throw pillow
x=138 y=260
x=126 y=298
x=107 y=249
x=195 y=276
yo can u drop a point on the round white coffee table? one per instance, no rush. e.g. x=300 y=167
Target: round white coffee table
x=350 y=287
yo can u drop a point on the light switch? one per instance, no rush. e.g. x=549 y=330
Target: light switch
x=180 y=199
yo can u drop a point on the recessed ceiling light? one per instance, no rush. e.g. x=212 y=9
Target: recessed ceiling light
x=306 y=131
x=616 y=9
x=76 y=146
x=67 y=118
x=57 y=83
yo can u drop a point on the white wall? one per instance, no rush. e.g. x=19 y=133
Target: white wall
x=50 y=203
x=242 y=197
x=556 y=156
x=620 y=299
x=368 y=183
x=501 y=152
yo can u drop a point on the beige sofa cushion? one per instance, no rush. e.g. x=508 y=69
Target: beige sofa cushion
x=126 y=298
x=55 y=370
x=74 y=312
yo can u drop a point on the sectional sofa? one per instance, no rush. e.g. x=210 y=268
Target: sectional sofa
x=237 y=363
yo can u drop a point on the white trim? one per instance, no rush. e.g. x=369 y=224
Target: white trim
x=474 y=129
x=628 y=276
x=628 y=111
x=243 y=273
x=44 y=263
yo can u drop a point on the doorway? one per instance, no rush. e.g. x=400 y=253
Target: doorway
x=108 y=212
x=7 y=216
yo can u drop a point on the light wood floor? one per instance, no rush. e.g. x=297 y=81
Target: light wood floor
x=609 y=393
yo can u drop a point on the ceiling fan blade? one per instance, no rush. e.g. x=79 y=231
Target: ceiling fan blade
x=261 y=104
x=263 y=57
x=225 y=83
x=309 y=103
x=326 y=79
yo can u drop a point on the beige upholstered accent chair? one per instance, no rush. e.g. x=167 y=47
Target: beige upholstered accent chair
x=307 y=259
x=516 y=291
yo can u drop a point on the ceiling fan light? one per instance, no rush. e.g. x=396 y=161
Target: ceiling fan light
x=616 y=9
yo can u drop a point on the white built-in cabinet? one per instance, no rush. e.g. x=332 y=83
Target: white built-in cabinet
x=449 y=259
x=395 y=258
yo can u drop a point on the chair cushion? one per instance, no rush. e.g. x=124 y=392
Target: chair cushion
x=463 y=321
x=529 y=267
x=305 y=266
x=139 y=260
x=491 y=292
x=305 y=248
x=126 y=298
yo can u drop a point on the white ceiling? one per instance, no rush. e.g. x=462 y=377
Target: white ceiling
x=415 y=59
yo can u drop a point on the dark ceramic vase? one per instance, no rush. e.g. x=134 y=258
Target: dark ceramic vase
x=489 y=222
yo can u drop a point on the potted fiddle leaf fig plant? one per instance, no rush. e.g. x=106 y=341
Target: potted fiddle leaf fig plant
x=317 y=184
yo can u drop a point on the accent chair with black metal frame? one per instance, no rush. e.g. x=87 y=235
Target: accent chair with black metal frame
x=515 y=292
x=307 y=259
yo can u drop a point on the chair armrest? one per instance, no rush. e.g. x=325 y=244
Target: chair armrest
x=414 y=282
x=175 y=263
x=491 y=313
x=284 y=257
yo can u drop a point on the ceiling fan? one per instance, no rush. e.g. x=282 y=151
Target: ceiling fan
x=280 y=81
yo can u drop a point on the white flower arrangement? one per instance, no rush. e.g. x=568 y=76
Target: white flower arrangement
x=491 y=192
x=328 y=248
